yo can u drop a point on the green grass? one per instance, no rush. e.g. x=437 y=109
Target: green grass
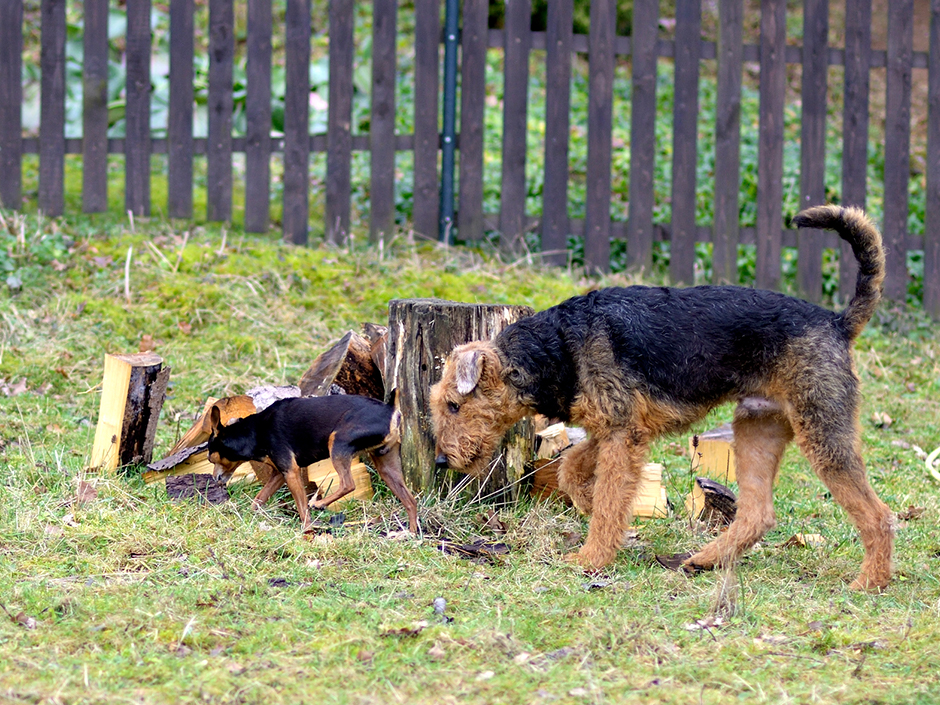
x=136 y=598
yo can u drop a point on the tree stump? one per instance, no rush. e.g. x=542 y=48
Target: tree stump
x=132 y=395
x=349 y=364
x=421 y=334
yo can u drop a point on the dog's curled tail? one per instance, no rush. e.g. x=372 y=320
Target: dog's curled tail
x=855 y=228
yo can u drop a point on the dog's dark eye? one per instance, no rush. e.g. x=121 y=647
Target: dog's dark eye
x=453 y=407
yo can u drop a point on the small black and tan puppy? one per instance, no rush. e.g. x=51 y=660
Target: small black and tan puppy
x=293 y=433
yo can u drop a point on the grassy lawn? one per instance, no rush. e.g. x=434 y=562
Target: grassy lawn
x=116 y=594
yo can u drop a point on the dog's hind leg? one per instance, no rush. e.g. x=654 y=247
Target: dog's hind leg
x=274 y=483
x=837 y=461
x=341 y=455
x=298 y=489
x=576 y=474
x=388 y=465
x=620 y=459
x=761 y=434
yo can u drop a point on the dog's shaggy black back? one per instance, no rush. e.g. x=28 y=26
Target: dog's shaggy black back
x=696 y=346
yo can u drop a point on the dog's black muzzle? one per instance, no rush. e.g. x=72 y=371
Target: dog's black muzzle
x=440 y=462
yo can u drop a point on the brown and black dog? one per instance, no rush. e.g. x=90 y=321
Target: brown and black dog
x=293 y=433
x=631 y=364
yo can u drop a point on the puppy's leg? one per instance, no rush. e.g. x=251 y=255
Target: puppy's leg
x=388 y=465
x=298 y=489
x=275 y=483
x=761 y=434
x=620 y=459
x=576 y=474
x=342 y=462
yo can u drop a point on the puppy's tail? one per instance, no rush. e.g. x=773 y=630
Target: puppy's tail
x=855 y=228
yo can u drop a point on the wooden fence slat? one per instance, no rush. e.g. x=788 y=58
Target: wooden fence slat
x=52 y=109
x=932 y=225
x=642 y=135
x=558 y=39
x=473 y=43
x=684 y=140
x=179 y=131
x=137 y=109
x=854 y=126
x=773 y=30
x=813 y=142
x=258 y=117
x=600 y=126
x=725 y=233
x=11 y=86
x=339 y=118
x=427 y=134
x=219 y=145
x=382 y=121
x=518 y=23
x=297 y=120
x=897 y=145
x=95 y=107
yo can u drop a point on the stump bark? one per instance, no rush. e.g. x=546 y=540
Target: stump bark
x=132 y=395
x=421 y=334
x=349 y=366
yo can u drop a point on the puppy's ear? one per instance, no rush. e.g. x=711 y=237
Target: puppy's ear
x=469 y=370
x=215 y=420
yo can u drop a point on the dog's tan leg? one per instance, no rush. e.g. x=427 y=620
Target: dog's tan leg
x=342 y=464
x=389 y=468
x=275 y=483
x=298 y=490
x=839 y=464
x=760 y=438
x=576 y=474
x=620 y=460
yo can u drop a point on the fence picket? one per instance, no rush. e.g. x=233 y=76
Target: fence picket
x=684 y=140
x=95 y=107
x=382 y=120
x=897 y=145
x=473 y=43
x=600 y=125
x=813 y=142
x=932 y=224
x=339 y=119
x=427 y=135
x=179 y=131
x=558 y=40
x=518 y=21
x=642 y=135
x=137 y=145
x=52 y=109
x=296 y=121
x=854 y=126
x=258 y=117
x=725 y=231
x=773 y=33
x=219 y=144
x=11 y=86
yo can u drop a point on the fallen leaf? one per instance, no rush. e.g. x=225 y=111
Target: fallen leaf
x=477 y=550
x=436 y=653
x=25 y=620
x=235 y=668
x=364 y=655
x=412 y=631
x=911 y=512
x=673 y=561
x=485 y=675
x=69 y=520
x=102 y=262
x=881 y=419
x=85 y=492
x=185 y=327
x=146 y=343
x=491 y=522
x=804 y=541
x=704 y=624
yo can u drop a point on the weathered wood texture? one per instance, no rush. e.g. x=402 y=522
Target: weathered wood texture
x=813 y=142
x=297 y=122
x=473 y=43
x=382 y=121
x=347 y=367
x=137 y=145
x=932 y=226
x=95 y=107
x=221 y=102
x=52 y=109
x=339 y=122
x=258 y=118
x=133 y=391
x=427 y=61
x=422 y=333
x=180 y=118
x=11 y=87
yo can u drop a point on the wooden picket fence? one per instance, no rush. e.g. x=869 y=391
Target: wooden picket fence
x=516 y=39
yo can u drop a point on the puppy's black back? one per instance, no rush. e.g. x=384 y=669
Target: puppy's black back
x=300 y=429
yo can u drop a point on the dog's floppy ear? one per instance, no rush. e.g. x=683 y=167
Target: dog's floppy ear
x=215 y=420
x=469 y=370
